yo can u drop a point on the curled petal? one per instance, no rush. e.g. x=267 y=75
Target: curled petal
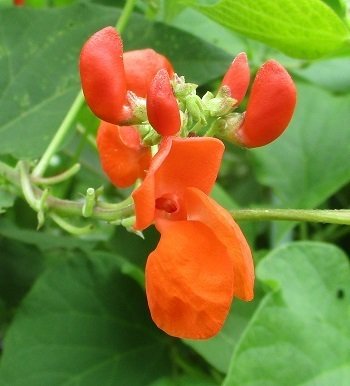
x=102 y=75
x=141 y=67
x=270 y=106
x=162 y=108
x=122 y=156
x=202 y=208
x=189 y=281
x=179 y=163
x=237 y=77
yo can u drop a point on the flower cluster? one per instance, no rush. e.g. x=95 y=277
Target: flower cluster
x=202 y=260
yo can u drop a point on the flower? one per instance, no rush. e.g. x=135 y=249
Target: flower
x=270 y=106
x=122 y=156
x=106 y=74
x=202 y=260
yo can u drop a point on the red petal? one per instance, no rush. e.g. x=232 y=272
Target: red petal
x=202 y=208
x=189 y=281
x=102 y=75
x=270 y=106
x=179 y=163
x=141 y=67
x=162 y=108
x=122 y=157
x=237 y=77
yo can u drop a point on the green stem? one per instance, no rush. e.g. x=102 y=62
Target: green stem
x=58 y=138
x=331 y=216
x=125 y=15
x=68 y=120
x=125 y=209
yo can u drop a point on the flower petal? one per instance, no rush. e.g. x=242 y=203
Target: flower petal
x=237 y=77
x=102 y=75
x=179 y=163
x=202 y=208
x=122 y=156
x=270 y=106
x=189 y=281
x=141 y=67
x=162 y=109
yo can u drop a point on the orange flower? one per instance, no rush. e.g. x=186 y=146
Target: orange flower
x=123 y=158
x=202 y=259
x=179 y=163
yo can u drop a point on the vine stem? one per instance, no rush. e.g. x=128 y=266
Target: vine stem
x=331 y=216
x=68 y=120
x=125 y=209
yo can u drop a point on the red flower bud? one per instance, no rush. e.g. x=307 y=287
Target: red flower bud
x=141 y=67
x=270 y=106
x=162 y=109
x=103 y=77
x=237 y=77
x=123 y=158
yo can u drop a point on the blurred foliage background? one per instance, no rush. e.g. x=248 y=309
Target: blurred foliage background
x=71 y=309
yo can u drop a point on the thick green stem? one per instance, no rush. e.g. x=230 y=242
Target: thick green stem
x=331 y=216
x=125 y=209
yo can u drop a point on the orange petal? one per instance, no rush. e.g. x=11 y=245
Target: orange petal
x=122 y=156
x=179 y=163
x=237 y=77
x=202 y=208
x=102 y=75
x=270 y=106
x=189 y=281
x=141 y=67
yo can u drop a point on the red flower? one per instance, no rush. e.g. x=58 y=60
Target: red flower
x=271 y=103
x=202 y=259
x=141 y=67
x=162 y=108
x=122 y=156
x=106 y=77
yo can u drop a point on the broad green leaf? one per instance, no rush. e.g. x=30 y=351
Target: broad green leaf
x=38 y=71
x=185 y=381
x=300 y=335
x=83 y=323
x=7 y=199
x=311 y=159
x=332 y=74
x=218 y=350
x=39 y=58
x=339 y=6
x=300 y=28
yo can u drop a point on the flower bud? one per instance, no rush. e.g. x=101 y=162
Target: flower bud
x=162 y=108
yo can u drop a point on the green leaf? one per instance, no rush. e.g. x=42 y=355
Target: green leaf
x=339 y=6
x=83 y=323
x=310 y=161
x=299 y=28
x=38 y=71
x=218 y=350
x=184 y=381
x=300 y=335
x=38 y=66
x=331 y=74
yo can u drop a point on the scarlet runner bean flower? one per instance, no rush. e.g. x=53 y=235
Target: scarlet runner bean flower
x=202 y=260
x=107 y=75
x=162 y=108
x=123 y=158
x=270 y=106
